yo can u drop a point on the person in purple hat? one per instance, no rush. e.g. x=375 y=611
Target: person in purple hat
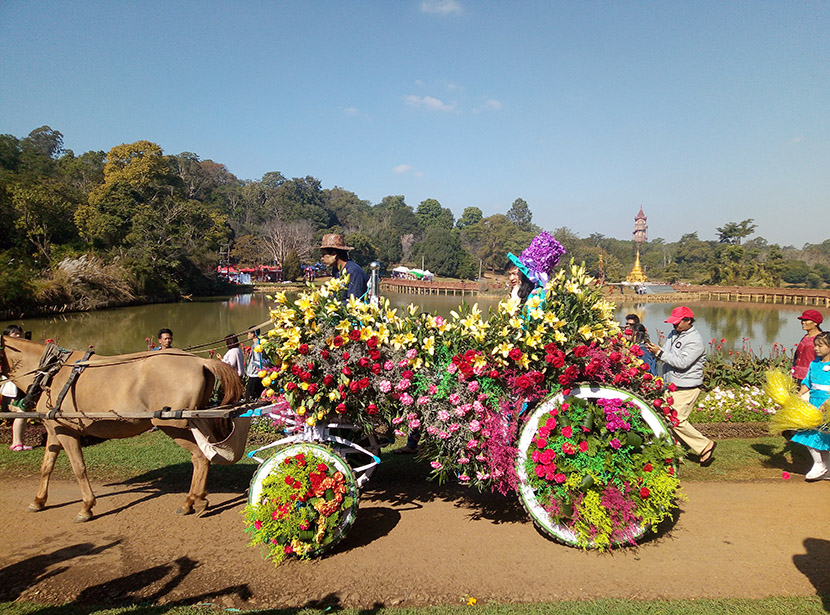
x=683 y=356
x=805 y=352
x=530 y=272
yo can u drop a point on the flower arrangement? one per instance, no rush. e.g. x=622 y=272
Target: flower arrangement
x=302 y=503
x=734 y=405
x=596 y=468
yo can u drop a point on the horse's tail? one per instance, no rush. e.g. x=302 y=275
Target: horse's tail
x=231 y=382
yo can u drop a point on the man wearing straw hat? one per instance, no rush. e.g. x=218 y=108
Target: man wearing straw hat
x=335 y=254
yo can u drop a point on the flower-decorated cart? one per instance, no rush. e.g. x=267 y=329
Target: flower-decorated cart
x=544 y=398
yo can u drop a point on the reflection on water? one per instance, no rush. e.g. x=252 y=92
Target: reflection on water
x=125 y=329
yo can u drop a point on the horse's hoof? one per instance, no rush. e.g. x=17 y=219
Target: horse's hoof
x=34 y=507
x=82 y=517
x=184 y=511
x=201 y=508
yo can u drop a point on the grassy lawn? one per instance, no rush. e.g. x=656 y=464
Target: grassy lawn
x=768 y=606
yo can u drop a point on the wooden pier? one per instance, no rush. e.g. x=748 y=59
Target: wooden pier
x=422 y=287
x=736 y=294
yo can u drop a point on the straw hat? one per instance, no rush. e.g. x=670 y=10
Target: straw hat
x=334 y=241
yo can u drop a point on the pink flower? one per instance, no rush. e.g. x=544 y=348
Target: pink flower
x=454 y=427
x=385 y=386
x=406 y=399
x=560 y=478
x=423 y=400
x=482 y=475
x=540 y=471
x=785 y=475
x=472 y=386
x=474 y=426
x=567 y=431
x=397 y=420
x=431 y=430
x=432 y=389
x=463 y=461
x=403 y=385
x=288 y=549
x=460 y=411
x=443 y=415
x=436 y=465
x=454 y=399
x=389 y=366
x=414 y=424
x=399 y=433
x=439 y=321
x=471 y=444
x=403 y=363
x=481 y=457
x=583 y=446
x=615 y=443
x=452 y=368
x=411 y=353
x=463 y=478
x=258 y=523
x=443 y=435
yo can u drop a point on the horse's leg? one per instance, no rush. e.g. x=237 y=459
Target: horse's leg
x=72 y=445
x=53 y=448
x=196 y=500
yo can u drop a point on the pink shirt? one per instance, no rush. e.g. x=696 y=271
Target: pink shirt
x=804 y=355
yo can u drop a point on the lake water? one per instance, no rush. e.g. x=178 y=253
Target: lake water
x=124 y=330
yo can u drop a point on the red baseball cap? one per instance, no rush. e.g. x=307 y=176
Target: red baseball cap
x=679 y=313
x=813 y=315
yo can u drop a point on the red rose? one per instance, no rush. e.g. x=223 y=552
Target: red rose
x=372 y=342
x=670 y=400
x=346 y=356
x=374 y=355
x=353 y=386
x=303 y=349
x=648 y=467
x=328 y=380
x=295 y=369
x=376 y=368
x=407 y=374
x=672 y=387
x=321 y=467
x=341 y=408
x=364 y=361
x=515 y=354
x=540 y=443
x=304 y=376
x=567 y=431
x=580 y=351
x=371 y=409
x=354 y=335
x=538 y=377
x=325 y=354
x=346 y=371
x=337 y=341
x=558 y=361
x=644 y=492
x=363 y=383
x=615 y=357
x=494 y=373
x=657 y=402
x=290 y=386
x=312 y=388
x=583 y=446
x=524 y=381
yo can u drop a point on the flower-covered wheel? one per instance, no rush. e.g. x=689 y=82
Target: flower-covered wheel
x=302 y=501
x=597 y=467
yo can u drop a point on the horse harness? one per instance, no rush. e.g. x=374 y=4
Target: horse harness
x=51 y=362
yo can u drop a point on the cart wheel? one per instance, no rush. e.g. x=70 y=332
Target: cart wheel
x=527 y=495
x=347 y=513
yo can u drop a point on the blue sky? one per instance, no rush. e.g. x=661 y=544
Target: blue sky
x=700 y=112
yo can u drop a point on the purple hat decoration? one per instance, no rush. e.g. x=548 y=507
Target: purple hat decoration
x=539 y=258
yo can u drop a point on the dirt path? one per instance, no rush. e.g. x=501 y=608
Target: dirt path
x=419 y=546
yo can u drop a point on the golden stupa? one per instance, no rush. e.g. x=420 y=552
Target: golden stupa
x=636 y=276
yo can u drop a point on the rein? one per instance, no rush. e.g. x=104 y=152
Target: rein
x=214 y=342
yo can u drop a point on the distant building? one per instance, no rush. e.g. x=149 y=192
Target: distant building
x=640 y=236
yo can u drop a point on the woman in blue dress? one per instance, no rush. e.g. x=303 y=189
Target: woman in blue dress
x=817 y=384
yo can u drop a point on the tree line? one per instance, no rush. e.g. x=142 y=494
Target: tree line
x=136 y=224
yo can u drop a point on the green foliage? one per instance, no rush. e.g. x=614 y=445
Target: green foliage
x=520 y=215
x=364 y=250
x=441 y=250
x=735 y=369
x=291 y=268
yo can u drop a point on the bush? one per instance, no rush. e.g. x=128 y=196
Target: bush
x=291 y=269
x=733 y=405
x=16 y=290
x=736 y=369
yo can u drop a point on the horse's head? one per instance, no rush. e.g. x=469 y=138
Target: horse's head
x=19 y=358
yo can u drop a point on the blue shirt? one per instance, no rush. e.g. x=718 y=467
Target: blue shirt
x=818 y=381
x=358 y=281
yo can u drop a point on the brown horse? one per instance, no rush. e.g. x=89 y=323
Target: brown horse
x=141 y=382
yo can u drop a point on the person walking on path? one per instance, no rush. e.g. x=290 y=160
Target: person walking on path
x=683 y=355
x=234 y=356
x=817 y=383
x=254 y=388
x=805 y=353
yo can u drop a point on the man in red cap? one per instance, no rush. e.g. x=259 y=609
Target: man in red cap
x=805 y=352
x=683 y=356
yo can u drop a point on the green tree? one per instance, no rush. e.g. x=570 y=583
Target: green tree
x=430 y=213
x=291 y=269
x=364 y=251
x=441 y=250
x=735 y=232
x=471 y=215
x=520 y=215
x=794 y=271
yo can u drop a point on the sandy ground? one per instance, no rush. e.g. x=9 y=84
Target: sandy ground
x=425 y=544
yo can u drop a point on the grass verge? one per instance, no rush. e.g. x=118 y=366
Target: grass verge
x=813 y=605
